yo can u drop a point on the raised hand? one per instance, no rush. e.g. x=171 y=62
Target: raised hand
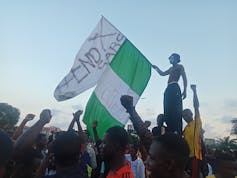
x=95 y=123
x=77 y=114
x=154 y=66
x=184 y=95
x=29 y=117
x=127 y=102
x=45 y=116
x=193 y=87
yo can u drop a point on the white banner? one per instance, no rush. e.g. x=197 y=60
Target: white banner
x=91 y=60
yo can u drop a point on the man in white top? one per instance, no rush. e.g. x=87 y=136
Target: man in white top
x=137 y=165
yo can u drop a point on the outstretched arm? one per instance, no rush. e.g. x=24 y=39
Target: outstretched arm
x=19 y=129
x=29 y=137
x=71 y=125
x=195 y=101
x=162 y=73
x=183 y=74
x=76 y=117
x=140 y=127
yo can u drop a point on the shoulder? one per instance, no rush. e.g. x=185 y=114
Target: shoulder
x=180 y=66
x=140 y=162
x=124 y=171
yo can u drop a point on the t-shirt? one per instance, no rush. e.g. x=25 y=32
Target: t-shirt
x=85 y=160
x=192 y=135
x=92 y=155
x=123 y=172
x=138 y=168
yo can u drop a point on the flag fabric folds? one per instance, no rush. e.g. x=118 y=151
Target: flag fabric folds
x=111 y=62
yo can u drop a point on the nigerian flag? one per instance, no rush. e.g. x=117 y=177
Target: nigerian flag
x=127 y=73
x=110 y=61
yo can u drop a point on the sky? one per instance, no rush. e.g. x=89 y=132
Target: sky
x=40 y=39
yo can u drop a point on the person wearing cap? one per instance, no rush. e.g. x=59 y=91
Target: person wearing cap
x=173 y=105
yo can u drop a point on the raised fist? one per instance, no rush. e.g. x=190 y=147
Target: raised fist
x=45 y=116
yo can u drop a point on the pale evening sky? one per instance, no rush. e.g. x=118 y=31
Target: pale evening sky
x=39 y=41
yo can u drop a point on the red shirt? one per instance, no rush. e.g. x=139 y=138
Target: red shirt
x=123 y=172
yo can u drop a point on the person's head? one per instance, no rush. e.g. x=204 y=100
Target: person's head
x=133 y=150
x=174 y=59
x=66 y=149
x=147 y=123
x=114 y=143
x=156 y=131
x=187 y=115
x=168 y=155
x=6 y=151
x=41 y=141
x=160 y=119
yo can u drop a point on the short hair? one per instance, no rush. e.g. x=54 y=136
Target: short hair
x=135 y=147
x=187 y=110
x=156 y=131
x=6 y=148
x=160 y=119
x=67 y=148
x=176 y=57
x=118 y=135
x=175 y=146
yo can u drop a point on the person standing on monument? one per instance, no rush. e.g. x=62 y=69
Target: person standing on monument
x=173 y=105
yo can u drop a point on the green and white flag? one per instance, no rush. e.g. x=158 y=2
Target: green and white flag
x=110 y=61
x=127 y=73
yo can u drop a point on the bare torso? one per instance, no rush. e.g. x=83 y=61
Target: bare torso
x=175 y=72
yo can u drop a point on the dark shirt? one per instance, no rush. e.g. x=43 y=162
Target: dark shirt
x=85 y=160
x=72 y=172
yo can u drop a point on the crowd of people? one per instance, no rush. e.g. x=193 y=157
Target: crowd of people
x=166 y=151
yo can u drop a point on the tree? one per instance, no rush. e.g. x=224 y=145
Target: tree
x=9 y=115
x=234 y=126
x=227 y=144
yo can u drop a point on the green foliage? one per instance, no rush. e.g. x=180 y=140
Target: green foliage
x=234 y=126
x=227 y=144
x=9 y=115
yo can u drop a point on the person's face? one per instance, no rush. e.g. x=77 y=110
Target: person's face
x=132 y=151
x=171 y=59
x=187 y=115
x=157 y=164
x=108 y=148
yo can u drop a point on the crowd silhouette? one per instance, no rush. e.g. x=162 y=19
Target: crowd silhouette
x=165 y=151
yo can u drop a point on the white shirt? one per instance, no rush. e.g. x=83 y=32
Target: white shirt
x=138 y=168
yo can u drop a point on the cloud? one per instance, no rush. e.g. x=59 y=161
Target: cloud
x=218 y=127
x=56 y=112
x=230 y=106
x=226 y=119
x=77 y=107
